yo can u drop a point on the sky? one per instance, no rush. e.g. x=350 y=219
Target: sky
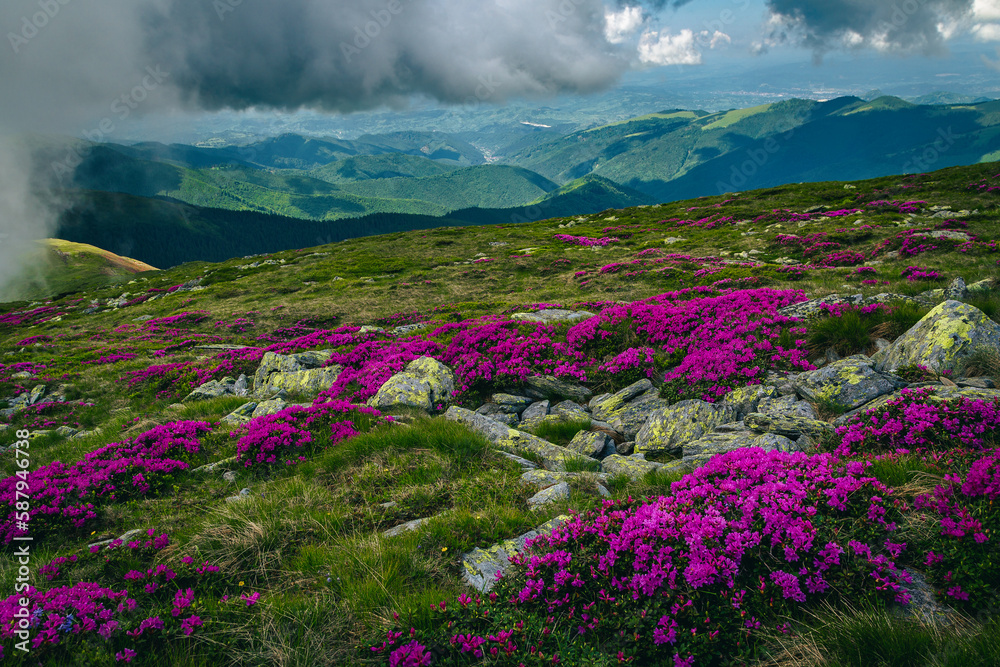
x=88 y=69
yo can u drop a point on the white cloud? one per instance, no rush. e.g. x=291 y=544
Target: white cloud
x=718 y=38
x=666 y=49
x=986 y=32
x=986 y=10
x=619 y=26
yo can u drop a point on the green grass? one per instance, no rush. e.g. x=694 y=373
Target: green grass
x=560 y=432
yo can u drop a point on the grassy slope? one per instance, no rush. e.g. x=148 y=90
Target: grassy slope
x=308 y=539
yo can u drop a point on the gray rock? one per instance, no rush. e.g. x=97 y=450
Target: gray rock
x=405 y=527
x=786 y=406
x=957 y=290
x=212 y=389
x=512 y=403
x=570 y=411
x=746 y=399
x=301 y=373
x=606 y=406
x=480 y=567
x=553 y=456
x=274 y=406
x=549 y=495
x=624 y=449
x=66 y=431
x=590 y=443
x=943 y=339
x=241 y=415
x=848 y=383
x=424 y=384
x=551 y=386
x=983 y=287
x=791 y=427
x=524 y=463
x=553 y=315
x=535 y=412
x=668 y=429
x=229 y=476
x=506 y=418
x=37 y=393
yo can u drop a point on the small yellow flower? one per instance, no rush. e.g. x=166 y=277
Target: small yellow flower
x=241 y=583
x=92 y=532
x=444 y=549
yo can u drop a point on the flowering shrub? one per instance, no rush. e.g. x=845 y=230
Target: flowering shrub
x=586 y=240
x=86 y=622
x=285 y=437
x=734 y=549
x=69 y=496
x=918 y=420
x=915 y=273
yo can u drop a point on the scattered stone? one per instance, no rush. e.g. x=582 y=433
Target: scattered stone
x=957 y=290
x=273 y=406
x=791 y=427
x=66 y=431
x=570 y=411
x=301 y=373
x=241 y=415
x=524 y=463
x=848 y=383
x=545 y=386
x=425 y=383
x=590 y=443
x=534 y=413
x=213 y=467
x=746 y=399
x=549 y=495
x=217 y=388
x=405 y=527
x=36 y=394
x=511 y=403
x=668 y=429
x=553 y=315
x=553 y=456
x=942 y=339
x=481 y=566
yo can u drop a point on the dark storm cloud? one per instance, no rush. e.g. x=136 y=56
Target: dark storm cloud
x=357 y=55
x=898 y=26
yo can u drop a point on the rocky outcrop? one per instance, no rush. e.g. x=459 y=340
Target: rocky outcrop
x=747 y=399
x=668 y=429
x=227 y=386
x=424 y=384
x=553 y=316
x=546 y=386
x=481 y=566
x=518 y=442
x=301 y=374
x=628 y=410
x=698 y=453
x=942 y=339
x=791 y=427
x=848 y=383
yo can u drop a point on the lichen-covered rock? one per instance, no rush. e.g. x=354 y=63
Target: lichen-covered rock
x=634 y=467
x=404 y=527
x=698 y=453
x=957 y=290
x=543 y=479
x=534 y=413
x=507 y=418
x=746 y=399
x=511 y=403
x=848 y=383
x=606 y=408
x=786 y=406
x=227 y=386
x=634 y=416
x=549 y=495
x=301 y=373
x=791 y=427
x=426 y=382
x=589 y=443
x=36 y=395
x=570 y=411
x=938 y=392
x=274 y=406
x=545 y=386
x=943 y=339
x=240 y=415
x=983 y=287
x=553 y=315
x=553 y=456
x=668 y=429
x=481 y=566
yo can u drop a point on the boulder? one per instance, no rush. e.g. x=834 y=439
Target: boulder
x=668 y=429
x=957 y=290
x=698 y=453
x=534 y=413
x=635 y=466
x=301 y=373
x=590 y=443
x=553 y=315
x=511 y=403
x=791 y=427
x=217 y=388
x=608 y=405
x=943 y=339
x=241 y=415
x=746 y=399
x=786 y=406
x=480 y=567
x=425 y=383
x=274 y=406
x=848 y=383
x=545 y=386
x=549 y=495
x=518 y=442
x=570 y=411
